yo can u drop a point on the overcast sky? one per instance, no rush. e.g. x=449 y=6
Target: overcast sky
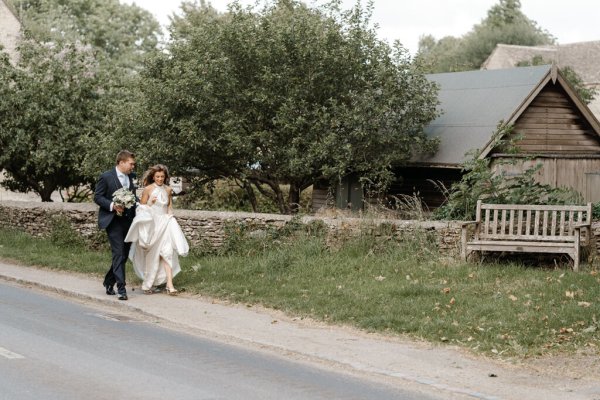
x=406 y=20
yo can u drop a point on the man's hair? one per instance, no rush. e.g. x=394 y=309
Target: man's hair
x=124 y=155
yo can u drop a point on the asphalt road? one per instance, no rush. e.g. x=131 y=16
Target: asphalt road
x=51 y=348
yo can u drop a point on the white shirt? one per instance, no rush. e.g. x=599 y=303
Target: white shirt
x=124 y=179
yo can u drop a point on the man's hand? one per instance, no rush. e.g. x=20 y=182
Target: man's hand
x=119 y=209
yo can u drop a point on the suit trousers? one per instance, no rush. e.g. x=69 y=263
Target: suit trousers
x=116 y=232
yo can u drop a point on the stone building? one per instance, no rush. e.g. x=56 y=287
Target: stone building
x=10 y=29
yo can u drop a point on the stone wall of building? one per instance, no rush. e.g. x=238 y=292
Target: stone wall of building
x=10 y=31
x=210 y=227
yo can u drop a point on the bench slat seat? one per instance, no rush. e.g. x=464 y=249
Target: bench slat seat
x=559 y=239
x=529 y=228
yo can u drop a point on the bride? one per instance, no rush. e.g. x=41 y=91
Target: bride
x=157 y=239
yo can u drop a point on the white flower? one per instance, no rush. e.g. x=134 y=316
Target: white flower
x=124 y=198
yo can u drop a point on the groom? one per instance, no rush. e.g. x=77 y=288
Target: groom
x=116 y=225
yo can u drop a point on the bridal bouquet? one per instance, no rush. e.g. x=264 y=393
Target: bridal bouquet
x=124 y=197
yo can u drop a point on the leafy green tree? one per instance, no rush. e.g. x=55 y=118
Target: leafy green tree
x=505 y=23
x=587 y=94
x=100 y=42
x=53 y=97
x=284 y=94
x=122 y=34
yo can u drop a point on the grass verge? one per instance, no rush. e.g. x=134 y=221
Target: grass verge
x=398 y=287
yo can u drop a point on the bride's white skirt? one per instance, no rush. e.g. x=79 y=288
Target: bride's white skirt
x=155 y=235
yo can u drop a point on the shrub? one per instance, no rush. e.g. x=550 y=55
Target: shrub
x=480 y=182
x=62 y=233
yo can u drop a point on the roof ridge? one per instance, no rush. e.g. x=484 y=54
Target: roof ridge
x=544 y=47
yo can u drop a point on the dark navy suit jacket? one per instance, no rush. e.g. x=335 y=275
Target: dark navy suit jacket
x=108 y=183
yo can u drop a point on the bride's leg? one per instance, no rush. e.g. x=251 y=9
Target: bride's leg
x=169 y=272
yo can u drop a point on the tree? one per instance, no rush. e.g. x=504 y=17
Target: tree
x=48 y=101
x=505 y=23
x=122 y=34
x=100 y=44
x=285 y=94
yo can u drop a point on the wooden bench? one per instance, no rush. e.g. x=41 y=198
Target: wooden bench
x=529 y=229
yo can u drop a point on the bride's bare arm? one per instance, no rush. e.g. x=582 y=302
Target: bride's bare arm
x=145 y=195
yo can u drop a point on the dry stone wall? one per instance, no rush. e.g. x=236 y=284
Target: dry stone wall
x=210 y=228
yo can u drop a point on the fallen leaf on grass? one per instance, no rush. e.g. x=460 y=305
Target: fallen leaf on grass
x=513 y=297
x=584 y=304
x=379 y=278
x=570 y=295
x=446 y=290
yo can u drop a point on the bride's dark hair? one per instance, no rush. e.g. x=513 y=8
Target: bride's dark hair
x=149 y=175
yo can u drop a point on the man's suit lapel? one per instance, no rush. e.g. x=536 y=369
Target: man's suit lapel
x=117 y=182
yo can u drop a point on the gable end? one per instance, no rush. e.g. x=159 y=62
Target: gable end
x=552 y=124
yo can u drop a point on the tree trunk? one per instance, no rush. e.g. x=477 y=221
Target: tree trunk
x=293 y=203
x=251 y=195
x=45 y=189
x=280 y=199
x=276 y=194
x=46 y=194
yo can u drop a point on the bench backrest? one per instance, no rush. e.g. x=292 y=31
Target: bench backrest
x=530 y=222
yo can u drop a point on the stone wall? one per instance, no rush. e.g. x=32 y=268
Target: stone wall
x=209 y=227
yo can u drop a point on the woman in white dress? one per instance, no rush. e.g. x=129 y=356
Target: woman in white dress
x=157 y=239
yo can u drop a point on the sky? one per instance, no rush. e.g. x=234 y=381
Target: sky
x=407 y=20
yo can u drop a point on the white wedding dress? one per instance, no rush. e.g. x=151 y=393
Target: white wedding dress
x=155 y=234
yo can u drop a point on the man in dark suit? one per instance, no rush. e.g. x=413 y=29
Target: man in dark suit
x=115 y=219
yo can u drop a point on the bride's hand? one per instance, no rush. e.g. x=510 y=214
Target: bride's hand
x=153 y=199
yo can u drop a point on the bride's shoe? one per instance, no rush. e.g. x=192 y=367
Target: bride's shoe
x=172 y=292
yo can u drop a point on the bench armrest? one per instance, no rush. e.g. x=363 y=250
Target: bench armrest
x=465 y=224
x=582 y=225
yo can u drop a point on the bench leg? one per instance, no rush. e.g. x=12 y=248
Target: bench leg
x=463 y=244
x=576 y=251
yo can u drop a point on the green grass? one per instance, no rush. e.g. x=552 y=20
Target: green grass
x=398 y=287
x=56 y=253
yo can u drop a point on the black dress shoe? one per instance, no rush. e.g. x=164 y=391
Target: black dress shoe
x=122 y=296
x=110 y=290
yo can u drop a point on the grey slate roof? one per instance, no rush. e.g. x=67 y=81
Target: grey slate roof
x=473 y=103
